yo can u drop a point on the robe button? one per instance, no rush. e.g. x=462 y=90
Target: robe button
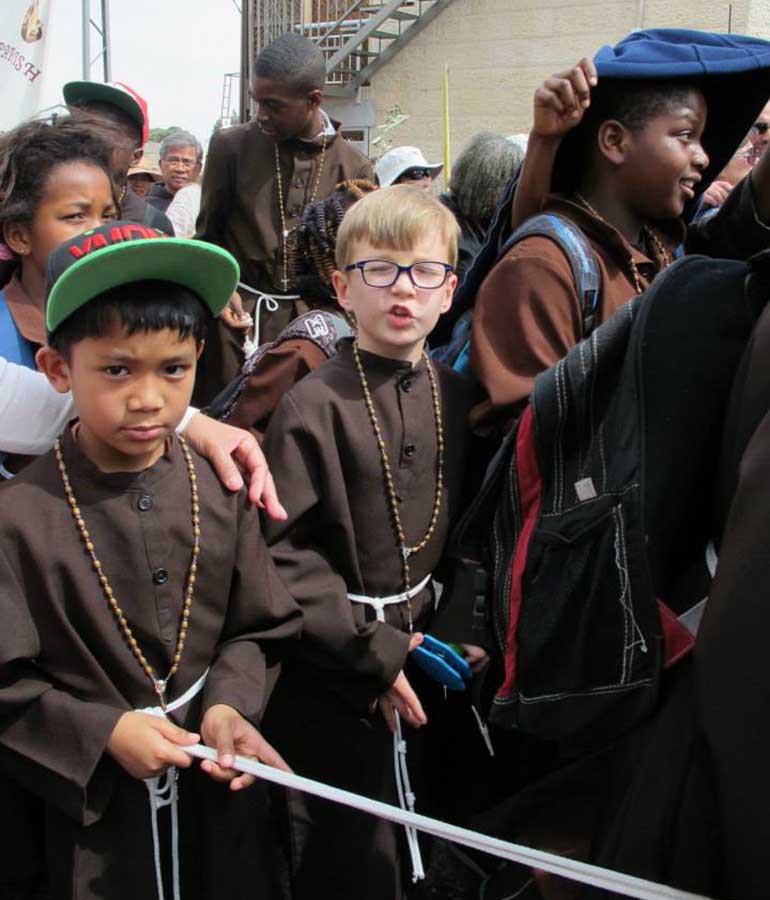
x=160 y=576
x=144 y=503
x=406 y=384
x=409 y=450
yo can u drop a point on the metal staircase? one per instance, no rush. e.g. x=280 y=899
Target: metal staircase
x=357 y=38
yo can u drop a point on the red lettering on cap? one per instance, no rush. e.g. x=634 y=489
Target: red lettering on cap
x=91 y=243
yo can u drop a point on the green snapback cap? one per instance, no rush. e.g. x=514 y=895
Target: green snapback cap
x=124 y=252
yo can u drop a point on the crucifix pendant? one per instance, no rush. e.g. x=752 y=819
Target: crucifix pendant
x=285 y=283
x=160 y=689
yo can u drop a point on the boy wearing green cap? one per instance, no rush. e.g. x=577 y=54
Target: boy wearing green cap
x=141 y=609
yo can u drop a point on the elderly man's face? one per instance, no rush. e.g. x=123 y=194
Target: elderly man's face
x=179 y=167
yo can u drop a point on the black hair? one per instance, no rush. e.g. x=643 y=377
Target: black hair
x=140 y=306
x=316 y=241
x=632 y=102
x=116 y=117
x=635 y=103
x=32 y=150
x=294 y=61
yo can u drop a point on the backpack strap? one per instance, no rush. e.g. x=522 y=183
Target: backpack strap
x=573 y=244
x=322 y=327
x=585 y=272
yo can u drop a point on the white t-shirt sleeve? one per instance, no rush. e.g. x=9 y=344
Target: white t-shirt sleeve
x=183 y=210
x=32 y=413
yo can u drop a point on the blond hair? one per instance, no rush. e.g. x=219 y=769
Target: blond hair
x=396 y=217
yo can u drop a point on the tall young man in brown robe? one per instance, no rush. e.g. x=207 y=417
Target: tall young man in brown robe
x=258 y=179
x=128 y=578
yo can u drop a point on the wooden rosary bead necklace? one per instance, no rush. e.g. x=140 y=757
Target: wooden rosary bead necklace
x=285 y=231
x=406 y=551
x=159 y=684
x=665 y=256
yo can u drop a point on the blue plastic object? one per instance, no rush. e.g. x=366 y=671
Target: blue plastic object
x=442 y=664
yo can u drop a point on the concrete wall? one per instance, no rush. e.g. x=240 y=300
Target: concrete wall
x=499 y=51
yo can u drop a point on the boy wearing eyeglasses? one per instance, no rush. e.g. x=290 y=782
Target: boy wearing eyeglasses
x=369 y=452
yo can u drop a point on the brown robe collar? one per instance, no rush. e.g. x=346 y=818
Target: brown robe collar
x=93 y=484
x=671 y=234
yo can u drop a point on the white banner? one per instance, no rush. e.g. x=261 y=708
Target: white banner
x=24 y=38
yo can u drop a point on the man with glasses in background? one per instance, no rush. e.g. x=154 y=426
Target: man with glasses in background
x=181 y=160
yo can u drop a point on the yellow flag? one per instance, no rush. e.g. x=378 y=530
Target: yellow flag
x=445 y=129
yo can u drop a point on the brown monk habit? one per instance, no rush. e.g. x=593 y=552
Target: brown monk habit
x=732 y=660
x=338 y=539
x=67 y=675
x=240 y=211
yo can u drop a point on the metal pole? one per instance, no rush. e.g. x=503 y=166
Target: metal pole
x=247 y=54
x=86 y=40
x=106 y=40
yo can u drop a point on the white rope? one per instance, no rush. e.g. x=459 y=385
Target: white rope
x=271 y=301
x=406 y=799
x=618 y=882
x=163 y=792
x=485 y=735
x=379 y=603
x=406 y=796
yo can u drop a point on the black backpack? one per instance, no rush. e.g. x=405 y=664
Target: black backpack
x=595 y=516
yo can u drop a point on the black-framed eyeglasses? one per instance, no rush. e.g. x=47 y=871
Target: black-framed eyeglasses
x=415 y=174
x=383 y=273
x=761 y=127
x=182 y=163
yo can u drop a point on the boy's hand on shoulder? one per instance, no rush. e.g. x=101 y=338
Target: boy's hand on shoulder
x=225 y=729
x=145 y=746
x=561 y=101
x=232 y=451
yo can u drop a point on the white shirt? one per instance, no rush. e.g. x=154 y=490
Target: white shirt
x=183 y=210
x=33 y=414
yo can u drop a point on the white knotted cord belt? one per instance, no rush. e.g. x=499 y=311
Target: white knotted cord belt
x=406 y=796
x=163 y=792
x=272 y=303
x=585 y=873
